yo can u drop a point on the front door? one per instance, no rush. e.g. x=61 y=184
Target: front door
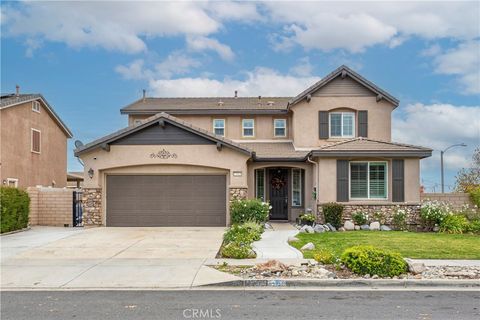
x=278 y=194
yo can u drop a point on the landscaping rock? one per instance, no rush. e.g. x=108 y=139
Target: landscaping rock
x=436 y=229
x=365 y=227
x=375 y=226
x=293 y=239
x=268 y=226
x=357 y=227
x=332 y=228
x=273 y=266
x=415 y=267
x=308 y=246
x=341 y=229
x=385 y=228
x=319 y=228
x=348 y=225
x=326 y=227
x=307 y=229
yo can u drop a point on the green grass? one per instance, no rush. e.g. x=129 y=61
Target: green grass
x=408 y=244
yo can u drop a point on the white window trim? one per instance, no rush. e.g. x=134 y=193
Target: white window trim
x=341 y=125
x=301 y=187
x=243 y=128
x=35 y=103
x=39 y=143
x=284 y=127
x=224 y=127
x=368 y=181
x=264 y=183
x=14 y=180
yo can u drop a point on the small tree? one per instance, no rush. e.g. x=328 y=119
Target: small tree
x=468 y=178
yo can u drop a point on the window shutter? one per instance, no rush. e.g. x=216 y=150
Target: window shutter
x=398 y=184
x=363 y=123
x=342 y=180
x=323 y=124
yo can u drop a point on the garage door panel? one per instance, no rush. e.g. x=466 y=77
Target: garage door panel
x=166 y=200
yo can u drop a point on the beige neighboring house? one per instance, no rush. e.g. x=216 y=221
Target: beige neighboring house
x=75 y=179
x=33 y=142
x=181 y=160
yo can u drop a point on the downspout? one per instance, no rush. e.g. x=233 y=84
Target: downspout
x=315 y=192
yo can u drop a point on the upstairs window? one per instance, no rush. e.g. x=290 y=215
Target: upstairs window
x=36 y=140
x=36 y=106
x=248 y=127
x=219 y=127
x=368 y=180
x=342 y=124
x=280 y=127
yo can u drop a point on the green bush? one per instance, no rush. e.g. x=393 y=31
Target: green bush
x=14 y=211
x=373 y=261
x=243 y=233
x=399 y=219
x=308 y=217
x=433 y=212
x=325 y=256
x=360 y=218
x=473 y=226
x=249 y=210
x=474 y=192
x=454 y=223
x=332 y=213
x=237 y=250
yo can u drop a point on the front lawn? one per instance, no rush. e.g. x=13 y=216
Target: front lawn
x=409 y=244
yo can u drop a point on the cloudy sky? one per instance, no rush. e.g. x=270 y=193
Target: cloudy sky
x=91 y=58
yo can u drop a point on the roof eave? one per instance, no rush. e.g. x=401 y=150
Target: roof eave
x=362 y=153
x=205 y=111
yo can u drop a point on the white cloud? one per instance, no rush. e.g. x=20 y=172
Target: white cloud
x=431 y=51
x=134 y=71
x=203 y=43
x=260 y=81
x=303 y=68
x=438 y=126
x=464 y=62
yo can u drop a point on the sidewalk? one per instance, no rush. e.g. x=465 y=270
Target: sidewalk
x=274 y=243
x=448 y=263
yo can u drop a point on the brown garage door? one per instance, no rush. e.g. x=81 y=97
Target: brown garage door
x=166 y=201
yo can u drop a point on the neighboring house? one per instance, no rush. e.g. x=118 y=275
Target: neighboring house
x=33 y=142
x=181 y=160
x=74 y=179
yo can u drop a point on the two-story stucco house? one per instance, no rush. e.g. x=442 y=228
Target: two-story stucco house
x=33 y=142
x=181 y=160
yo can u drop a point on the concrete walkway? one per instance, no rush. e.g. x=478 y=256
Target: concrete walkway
x=274 y=243
x=448 y=263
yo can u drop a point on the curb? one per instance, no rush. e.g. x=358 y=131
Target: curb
x=347 y=283
x=15 y=231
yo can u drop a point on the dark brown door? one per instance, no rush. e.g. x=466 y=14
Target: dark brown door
x=166 y=201
x=278 y=194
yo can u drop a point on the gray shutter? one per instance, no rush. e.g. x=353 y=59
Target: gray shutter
x=323 y=124
x=342 y=180
x=363 y=123
x=398 y=184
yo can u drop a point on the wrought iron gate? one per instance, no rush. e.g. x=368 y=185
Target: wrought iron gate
x=77 y=208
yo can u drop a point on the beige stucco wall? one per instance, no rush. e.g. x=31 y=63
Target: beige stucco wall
x=17 y=160
x=327 y=175
x=233 y=124
x=305 y=118
x=309 y=202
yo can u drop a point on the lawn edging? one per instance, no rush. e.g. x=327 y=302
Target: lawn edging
x=347 y=283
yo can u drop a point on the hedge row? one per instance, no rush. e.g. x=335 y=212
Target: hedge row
x=14 y=211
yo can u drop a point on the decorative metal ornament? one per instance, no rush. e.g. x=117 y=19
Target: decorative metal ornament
x=163 y=154
x=277 y=183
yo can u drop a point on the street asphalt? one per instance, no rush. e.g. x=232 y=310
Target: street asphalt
x=240 y=304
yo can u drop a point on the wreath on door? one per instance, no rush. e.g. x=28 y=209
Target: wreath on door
x=277 y=183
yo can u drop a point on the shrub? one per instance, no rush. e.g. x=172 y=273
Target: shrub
x=325 y=256
x=369 y=260
x=454 y=223
x=474 y=192
x=14 y=209
x=249 y=210
x=237 y=250
x=399 y=219
x=243 y=233
x=308 y=217
x=469 y=213
x=473 y=226
x=379 y=216
x=433 y=212
x=360 y=218
x=332 y=213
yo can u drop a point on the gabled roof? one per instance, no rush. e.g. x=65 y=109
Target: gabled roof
x=369 y=147
x=11 y=100
x=344 y=71
x=231 y=105
x=156 y=119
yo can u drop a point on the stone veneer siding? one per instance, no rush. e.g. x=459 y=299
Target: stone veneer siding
x=238 y=193
x=92 y=206
x=386 y=210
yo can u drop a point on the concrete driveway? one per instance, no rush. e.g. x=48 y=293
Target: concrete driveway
x=47 y=257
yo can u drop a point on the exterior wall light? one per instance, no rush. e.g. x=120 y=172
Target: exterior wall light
x=90 y=173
